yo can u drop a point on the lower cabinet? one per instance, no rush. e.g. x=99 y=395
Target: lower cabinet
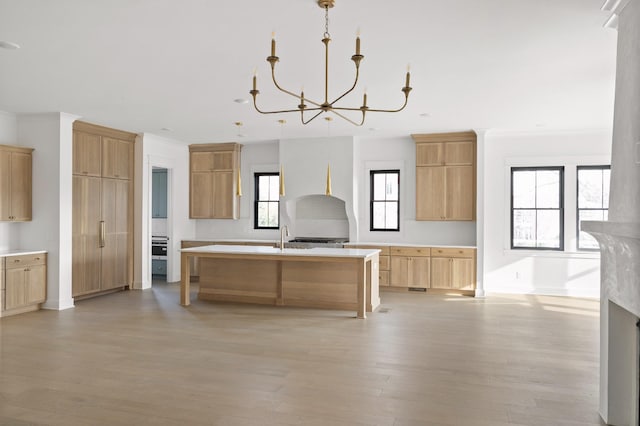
x=384 y=262
x=158 y=267
x=410 y=267
x=24 y=286
x=453 y=268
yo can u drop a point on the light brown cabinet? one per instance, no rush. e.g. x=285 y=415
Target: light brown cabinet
x=384 y=262
x=445 y=176
x=453 y=268
x=214 y=172
x=102 y=253
x=15 y=183
x=24 y=283
x=410 y=267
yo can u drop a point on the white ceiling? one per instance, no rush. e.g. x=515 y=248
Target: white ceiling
x=145 y=65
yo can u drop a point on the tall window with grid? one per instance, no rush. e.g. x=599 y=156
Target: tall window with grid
x=267 y=201
x=593 y=200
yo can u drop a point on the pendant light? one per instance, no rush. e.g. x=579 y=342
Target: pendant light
x=327 y=190
x=281 y=176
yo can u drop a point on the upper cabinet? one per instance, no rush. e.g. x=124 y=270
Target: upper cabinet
x=159 y=194
x=213 y=183
x=102 y=152
x=445 y=176
x=15 y=183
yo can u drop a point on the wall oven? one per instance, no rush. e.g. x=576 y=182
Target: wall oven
x=159 y=247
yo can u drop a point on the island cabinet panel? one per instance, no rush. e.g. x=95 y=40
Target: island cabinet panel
x=25 y=283
x=102 y=210
x=445 y=176
x=453 y=268
x=15 y=183
x=214 y=180
x=384 y=261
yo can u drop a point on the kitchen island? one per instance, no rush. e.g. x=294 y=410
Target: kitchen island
x=344 y=279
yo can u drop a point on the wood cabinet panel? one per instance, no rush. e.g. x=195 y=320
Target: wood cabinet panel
x=440 y=272
x=459 y=193
x=459 y=153
x=223 y=195
x=463 y=274
x=452 y=252
x=115 y=209
x=86 y=250
x=117 y=158
x=201 y=195
x=212 y=187
x=410 y=251
x=430 y=193
x=26 y=282
x=87 y=154
x=429 y=154
x=383 y=278
x=399 y=272
x=15 y=183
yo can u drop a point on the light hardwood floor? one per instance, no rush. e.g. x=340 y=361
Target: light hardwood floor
x=138 y=358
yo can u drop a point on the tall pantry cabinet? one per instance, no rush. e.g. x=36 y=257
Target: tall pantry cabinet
x=102 y=209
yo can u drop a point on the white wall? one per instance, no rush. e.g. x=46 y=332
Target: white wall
x=255 y=158
x=51 y=136
x=155 y=151
x=399 y=153
x=8 y=136
x=547 y=272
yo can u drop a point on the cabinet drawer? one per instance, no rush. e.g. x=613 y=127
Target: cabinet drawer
x=411 y=251
x=25 y=260
x=452 y=252
x=383 y=278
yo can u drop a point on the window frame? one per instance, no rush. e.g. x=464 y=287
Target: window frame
x=560 y=206
x=578 y=209
x=257 y=201
x=372 y=173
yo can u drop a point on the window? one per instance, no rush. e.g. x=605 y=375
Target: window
x=267 y=204
x=537 y=220
x=593 y=200
x=385 y=200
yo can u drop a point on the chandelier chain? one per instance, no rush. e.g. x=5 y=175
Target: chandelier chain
x=326 y=22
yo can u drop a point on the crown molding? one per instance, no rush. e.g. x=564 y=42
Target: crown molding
x=615 y=7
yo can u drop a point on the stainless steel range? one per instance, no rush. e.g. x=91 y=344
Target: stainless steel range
x=310 y=242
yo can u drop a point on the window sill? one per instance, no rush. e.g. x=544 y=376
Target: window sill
x=552 y=254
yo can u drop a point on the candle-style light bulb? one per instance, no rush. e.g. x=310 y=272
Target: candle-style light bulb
x=358 y=42
x=273 y=43
x=408 y=75
x=255 y=77
x=364 y=98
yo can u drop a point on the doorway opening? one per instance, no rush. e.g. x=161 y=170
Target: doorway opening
x=159 y=225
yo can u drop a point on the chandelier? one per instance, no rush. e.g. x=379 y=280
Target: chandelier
x=316 y=108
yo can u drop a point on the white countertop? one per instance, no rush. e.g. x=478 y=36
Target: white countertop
x=350 y=243
x=272 y=251
x=19 y=252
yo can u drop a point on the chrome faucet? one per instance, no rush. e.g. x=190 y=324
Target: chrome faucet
x=284 y=231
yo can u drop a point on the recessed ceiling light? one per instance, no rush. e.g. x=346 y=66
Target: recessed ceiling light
x=540 y=124
x=373 y=129
x=167 y=129
x=9 y=45
x=425 y=115
x=240 y=135
x=241 y=101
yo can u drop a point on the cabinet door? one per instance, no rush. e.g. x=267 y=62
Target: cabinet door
x=223 y=160
x=87 y=154
x=159 y=267
x=419 y=272
x=16 y=288
x=459 y=190
x=223 y=195
x=36 y=280
x=429 y=154
x=201 y=161
x=5 y=185
x=115 y=214
x=399 y=273
x=86 y=250
x=159 y=194
x=462 y=274
x=116 y=158
x=440 y=272
x=430 y=193
x=20 y=192
x=201 y=196
x=459 y=153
